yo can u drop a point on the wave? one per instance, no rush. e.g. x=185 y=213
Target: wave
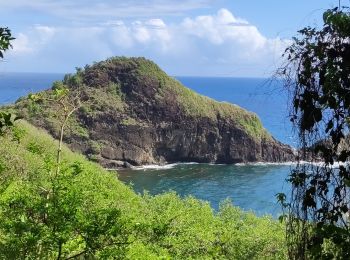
x=161 y=167
x=172 y=165
x=293 y=163
x=322 y=164
x=266 y=164
x=290 y=163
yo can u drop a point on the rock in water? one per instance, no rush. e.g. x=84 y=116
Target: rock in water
x=133 y=113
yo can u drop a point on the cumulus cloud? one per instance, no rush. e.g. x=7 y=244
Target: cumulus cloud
x=156 y=23
x=225 y=28
x=21 y=44
x=32 y=41
x=219 y=44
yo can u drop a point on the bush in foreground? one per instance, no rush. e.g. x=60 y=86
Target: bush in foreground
x=86 y=212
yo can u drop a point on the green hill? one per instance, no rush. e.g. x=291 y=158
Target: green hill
x=85 y=212
x=133 y=113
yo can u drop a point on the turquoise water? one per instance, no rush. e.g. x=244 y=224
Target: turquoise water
x=251 y=187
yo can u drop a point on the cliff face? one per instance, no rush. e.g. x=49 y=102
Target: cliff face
x=133 y=113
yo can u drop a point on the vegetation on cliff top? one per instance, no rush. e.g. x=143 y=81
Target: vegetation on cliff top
x=92 y=214
x=193 y=104
x=107 y=85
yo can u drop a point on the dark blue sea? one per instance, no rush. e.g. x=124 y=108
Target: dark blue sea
x=251 y=187
x=15 y=85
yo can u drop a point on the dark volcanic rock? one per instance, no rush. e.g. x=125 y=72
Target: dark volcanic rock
x=134 y=113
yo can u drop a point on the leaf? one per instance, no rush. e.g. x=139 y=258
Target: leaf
x=317 y=115
x=329 y=126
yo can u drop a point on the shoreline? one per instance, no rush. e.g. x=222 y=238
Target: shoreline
x=173 y=165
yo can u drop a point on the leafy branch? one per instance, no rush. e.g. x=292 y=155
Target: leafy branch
x=68 y=103
x=5 y=40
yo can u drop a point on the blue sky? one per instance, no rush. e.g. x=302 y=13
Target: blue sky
x=243 y=38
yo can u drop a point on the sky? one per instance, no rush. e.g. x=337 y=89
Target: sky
x=238 y=38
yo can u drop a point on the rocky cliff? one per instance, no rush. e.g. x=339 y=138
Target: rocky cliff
x=132 y=113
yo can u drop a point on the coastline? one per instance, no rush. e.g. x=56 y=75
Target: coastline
x=173 y=165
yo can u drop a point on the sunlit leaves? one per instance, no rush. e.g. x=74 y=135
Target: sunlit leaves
x=92 y=215
x=34 y=97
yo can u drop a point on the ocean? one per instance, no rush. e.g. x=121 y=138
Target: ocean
x=16 y=85
x=251 y=187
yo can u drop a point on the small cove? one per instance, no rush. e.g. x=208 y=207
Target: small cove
x=251 y=187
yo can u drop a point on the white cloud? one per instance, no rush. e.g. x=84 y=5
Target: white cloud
x=21 y=44
x=121 y=36
x=141 y=33
x=44 y=33
x=32 y=41
x=224 y=27
x=156 y=23
x=153 y=31
x=219 y=44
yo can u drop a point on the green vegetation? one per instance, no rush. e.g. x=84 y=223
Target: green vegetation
x=192 y=103
x=317 y=74
x=197 y=105
x=43 y=109
x=84 y=211
x=128 y=92
x=55 y=204
x=5 y=40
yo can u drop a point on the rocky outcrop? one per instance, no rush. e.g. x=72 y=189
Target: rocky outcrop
x=186 y=140
x=134 y=114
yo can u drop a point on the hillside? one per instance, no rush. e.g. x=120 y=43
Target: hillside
x=132 y=113
x=84 y=212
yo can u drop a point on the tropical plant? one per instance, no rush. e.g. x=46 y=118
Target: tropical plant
x=317 y=74
x=67 y=105
x=5 y=40
x=91 y=214
x=6 y=119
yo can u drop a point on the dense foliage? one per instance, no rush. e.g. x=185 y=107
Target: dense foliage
x=318 y=75
x=86 y=212
x=5 y=40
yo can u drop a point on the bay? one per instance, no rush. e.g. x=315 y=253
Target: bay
x=251 y=187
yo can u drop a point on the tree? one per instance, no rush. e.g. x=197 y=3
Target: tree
x=317 y=73
x=64 y=209
x=5 y=40
x=6 y=119
x=67 y=104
